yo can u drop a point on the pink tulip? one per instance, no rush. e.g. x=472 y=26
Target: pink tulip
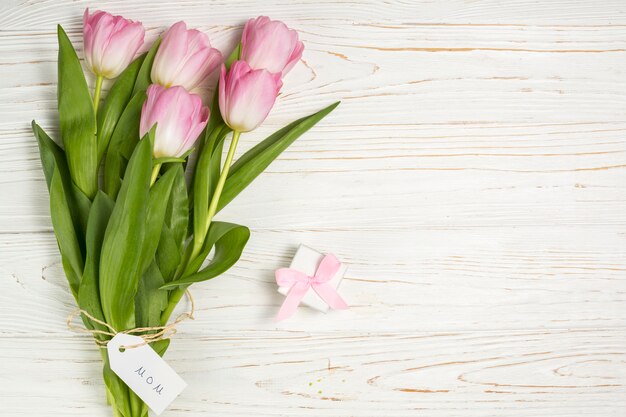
x=179 y=116
x=270 y=45
x=246 y=96
x=111 y=42
x=184 y=58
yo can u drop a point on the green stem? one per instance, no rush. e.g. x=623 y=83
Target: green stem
x=218 y=192
x=116 y=412
x=137 y=406
x=174 y=298
x=220 y=183
x=110 y=397
x=155 y=173
x=96 y=94
x=178 y=293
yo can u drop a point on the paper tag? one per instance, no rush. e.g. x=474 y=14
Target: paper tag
x=144 y=371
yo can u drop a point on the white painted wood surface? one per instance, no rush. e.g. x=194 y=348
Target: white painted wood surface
x=474 y=179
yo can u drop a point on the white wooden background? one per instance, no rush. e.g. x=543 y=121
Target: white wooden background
x=474 y=179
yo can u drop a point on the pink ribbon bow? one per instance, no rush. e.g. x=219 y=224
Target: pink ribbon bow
x=300 y=283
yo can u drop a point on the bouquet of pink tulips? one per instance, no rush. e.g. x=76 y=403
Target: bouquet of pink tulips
x=134 y=220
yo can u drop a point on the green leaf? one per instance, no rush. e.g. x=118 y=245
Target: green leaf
x=118 y=389
x=77 y=119
x=160 y=346
x=143 y=78
x=157 y=206
x=123 y=242
x=177 y=215
x=80 y=205
x=116 y=101
x=89 y=293
x=150 y=301
x=229 y=240
x=175 y=231
x=123 y=142
x=63 y=224
x=52 y=155
x=167 y=159
x=253 y=162
x=234 y=56
x=169 y=254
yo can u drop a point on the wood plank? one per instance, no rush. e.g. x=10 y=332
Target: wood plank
x=247 y=373
x=437 y=280
x=473 y=179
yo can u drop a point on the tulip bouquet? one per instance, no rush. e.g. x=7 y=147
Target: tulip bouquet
x=133 y=217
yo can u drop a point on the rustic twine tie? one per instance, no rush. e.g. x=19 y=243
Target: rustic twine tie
x=160 y=332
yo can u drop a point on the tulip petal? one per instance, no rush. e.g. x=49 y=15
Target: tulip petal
x=111 y=42
x=118 y=58
x=185 y=58
x=270 y=45
x=180 y=118
x=247 y=96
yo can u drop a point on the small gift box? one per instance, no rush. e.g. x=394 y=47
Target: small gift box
x=312 y=279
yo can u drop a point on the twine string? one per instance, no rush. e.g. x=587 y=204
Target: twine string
x=157 y=332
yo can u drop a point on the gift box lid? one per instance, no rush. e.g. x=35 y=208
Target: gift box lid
x=307 y=260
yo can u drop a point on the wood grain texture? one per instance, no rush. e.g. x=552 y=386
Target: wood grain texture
x=474 y=179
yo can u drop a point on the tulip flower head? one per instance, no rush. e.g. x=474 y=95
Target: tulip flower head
x=271 y=45
x=246 y=95
x=180 y=118
x=111 y=42
x=185 y=57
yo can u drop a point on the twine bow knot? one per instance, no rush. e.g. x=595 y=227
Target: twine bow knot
x=148 y=334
